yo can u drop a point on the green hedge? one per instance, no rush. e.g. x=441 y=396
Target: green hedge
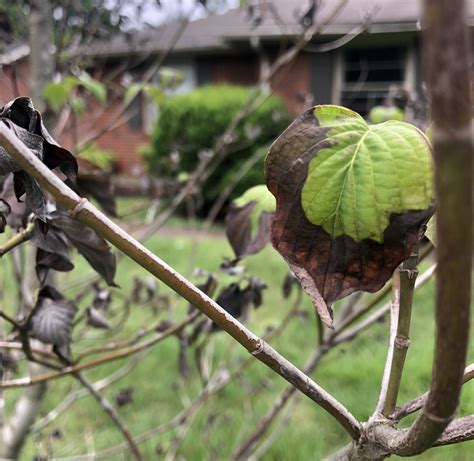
x=192 y=122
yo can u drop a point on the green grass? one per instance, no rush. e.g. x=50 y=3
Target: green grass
x=352 y=372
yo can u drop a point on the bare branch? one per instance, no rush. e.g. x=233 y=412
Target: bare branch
x=414 y=405
x=24 y=414
x=408 y=273
x=331 y=342
x=85 y=212
x=459 y=430
x=119 y=354
x=110 y=410
x=394 y=315
x=80 y=393
x=16 y=240
x=447 y=62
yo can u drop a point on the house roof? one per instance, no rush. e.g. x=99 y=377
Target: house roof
x=271 y=20
x=14 y=53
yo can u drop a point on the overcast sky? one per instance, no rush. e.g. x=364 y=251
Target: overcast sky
x=153 y=14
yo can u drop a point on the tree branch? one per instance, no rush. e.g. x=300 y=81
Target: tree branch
x=459 y=430
x=119 y=354
x=414 y=405
x=394 y=316
x=24 y=414
x=16 y=240
x=408 y=273
x=85 y=212
x=447 y=62
x=110 y=410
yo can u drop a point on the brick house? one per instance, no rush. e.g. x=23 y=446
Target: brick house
x=345 y=64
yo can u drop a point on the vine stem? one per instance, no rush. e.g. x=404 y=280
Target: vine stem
x=84 y=211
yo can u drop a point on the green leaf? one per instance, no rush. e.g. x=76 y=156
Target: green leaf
x=78 y=105
x=365 y=174
x=155 y=94
x=96 y=88
x=56 y=95
x=132 y=91
x=352 y=200
x=170 y=78
x=380 y=114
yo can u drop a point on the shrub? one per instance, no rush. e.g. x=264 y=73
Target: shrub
x=192 y=122
x=101 y=157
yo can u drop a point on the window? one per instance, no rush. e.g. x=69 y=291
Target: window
x=135 y=112
x=368 y=75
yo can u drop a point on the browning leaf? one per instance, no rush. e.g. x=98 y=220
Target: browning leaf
x=17 y=218
x=93 y=247
x=234 y=300
x=96 y=182
x=4 y=212
x=248 y=221
x=288 y=283
x=28 y=126
x=25 y=122
x=96 y=319
x=52 y=318
x=124 y=396
x=35 y=198
x=352 y=200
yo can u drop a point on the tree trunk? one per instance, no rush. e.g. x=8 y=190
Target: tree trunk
x=41 y=50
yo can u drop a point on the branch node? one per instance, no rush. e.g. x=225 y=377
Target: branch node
x=78 y=208
x=402 y=343
x=438 y=419
x=260 y=346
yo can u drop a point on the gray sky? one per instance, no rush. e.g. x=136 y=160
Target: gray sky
x=154 y=15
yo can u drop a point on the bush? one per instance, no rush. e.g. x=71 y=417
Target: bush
x=192 y=122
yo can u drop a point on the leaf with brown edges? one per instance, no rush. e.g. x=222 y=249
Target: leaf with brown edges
x=352 y=200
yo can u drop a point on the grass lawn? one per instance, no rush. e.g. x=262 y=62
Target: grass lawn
x=352 y=372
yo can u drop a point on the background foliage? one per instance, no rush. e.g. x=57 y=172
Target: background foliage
x=191 y=123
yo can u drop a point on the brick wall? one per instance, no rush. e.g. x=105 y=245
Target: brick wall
x=121 y=140
x=292 y=84
x=14 y=81
x=241 y=70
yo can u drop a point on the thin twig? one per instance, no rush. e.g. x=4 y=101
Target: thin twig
x=72 y=396
x=88 y=214
x=119 y=354
x=394 y=315
x=408 y=273
x=110 y=410
x=19 y=238
x=416 y=404
x=332 y=341
x=265 y=422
